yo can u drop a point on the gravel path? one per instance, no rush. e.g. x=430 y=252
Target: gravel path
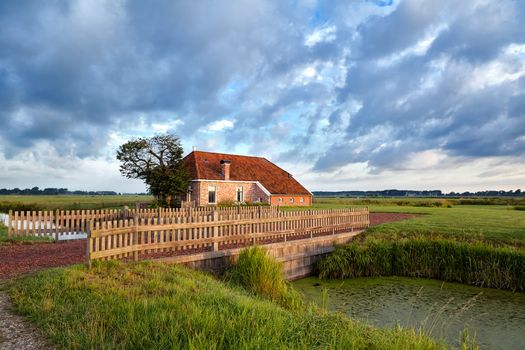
x=15 y=332
x=16 y=259
x=383 y=218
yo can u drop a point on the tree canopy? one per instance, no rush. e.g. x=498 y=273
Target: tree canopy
x=158 y=162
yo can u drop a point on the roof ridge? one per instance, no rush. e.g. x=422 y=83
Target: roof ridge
x=230 y=154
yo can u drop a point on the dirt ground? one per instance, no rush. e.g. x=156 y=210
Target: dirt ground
x=383 y=218
x=16 y=259
x=15 y=332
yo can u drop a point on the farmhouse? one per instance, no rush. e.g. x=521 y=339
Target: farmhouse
x=230 y=178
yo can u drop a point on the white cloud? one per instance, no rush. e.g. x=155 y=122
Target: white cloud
x=325 y=34
x=219 y=125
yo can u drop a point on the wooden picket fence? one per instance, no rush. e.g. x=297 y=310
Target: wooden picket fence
x=148 y=237
x=67 y=224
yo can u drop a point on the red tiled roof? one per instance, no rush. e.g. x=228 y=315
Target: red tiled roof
x=207 y=166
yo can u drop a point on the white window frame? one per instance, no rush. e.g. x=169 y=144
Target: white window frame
x=214 y=189
x=280 y=199
x=240 y=190
x=291 y=200
x=301 y=200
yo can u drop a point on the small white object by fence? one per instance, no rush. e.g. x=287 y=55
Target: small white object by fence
x=73 y=224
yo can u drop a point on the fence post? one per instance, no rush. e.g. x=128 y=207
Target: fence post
x=215 y=231
x=89 y=244
x=135 y=237
x=9 y=224
x=332 y=221
x=56 y=225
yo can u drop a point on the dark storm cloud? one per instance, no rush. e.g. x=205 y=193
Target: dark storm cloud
x=67 y=64
x=389 y=78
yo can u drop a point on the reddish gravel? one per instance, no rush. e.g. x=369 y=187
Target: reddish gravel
x=16 y=259
x=382 y=218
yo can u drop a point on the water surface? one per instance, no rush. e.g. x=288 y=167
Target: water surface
x=443 y=310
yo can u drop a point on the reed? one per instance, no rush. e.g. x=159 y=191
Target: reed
x=477 y=264
x=261 y=275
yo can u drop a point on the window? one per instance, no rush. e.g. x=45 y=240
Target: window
x=240 y=195
x=212 y=194
x=301 y=200
x=291 y=200
x=280 y=199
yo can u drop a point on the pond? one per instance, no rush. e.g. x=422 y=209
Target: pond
x=443 y=310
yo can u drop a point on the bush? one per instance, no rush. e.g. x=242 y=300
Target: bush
x=19 y=206
x=478 y=264
x=521 y=208
x=256 y=204
x=261 y=275
x=227 y=203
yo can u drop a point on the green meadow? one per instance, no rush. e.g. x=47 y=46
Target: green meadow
x=69 y=202
x=148 y=305
x=498 y=222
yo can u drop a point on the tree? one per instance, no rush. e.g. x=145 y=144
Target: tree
x=158 y=162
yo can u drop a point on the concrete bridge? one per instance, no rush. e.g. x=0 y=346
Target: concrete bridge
x=298 y=257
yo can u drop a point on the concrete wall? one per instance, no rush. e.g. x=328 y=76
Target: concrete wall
x=298 y=257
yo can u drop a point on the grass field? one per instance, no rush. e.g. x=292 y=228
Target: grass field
x=155 y=306
x=69 y=202
x=498 y=224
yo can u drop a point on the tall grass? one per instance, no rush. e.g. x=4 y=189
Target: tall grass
x=260 y=274
x=477 y=264
x=155 y=306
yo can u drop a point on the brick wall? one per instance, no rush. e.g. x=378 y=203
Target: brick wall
x=291 y=200
x=226 y=191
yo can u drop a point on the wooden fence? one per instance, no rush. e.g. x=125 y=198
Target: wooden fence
x=64 y=224
x=150 y=237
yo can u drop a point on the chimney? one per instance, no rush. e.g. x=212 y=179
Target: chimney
x=194 y=148
x=225 y=169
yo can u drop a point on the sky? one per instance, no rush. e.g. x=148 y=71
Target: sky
x=345 y=95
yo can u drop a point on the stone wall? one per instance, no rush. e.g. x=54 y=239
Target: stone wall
x=298 y=257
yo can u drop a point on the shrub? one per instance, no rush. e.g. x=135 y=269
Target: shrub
x=477 y=264
x=227 y=203
x=19 y=206
x=261 y=275
x=521 y=208
x=256 y=204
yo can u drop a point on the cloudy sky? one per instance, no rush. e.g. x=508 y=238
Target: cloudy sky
x=365 y=94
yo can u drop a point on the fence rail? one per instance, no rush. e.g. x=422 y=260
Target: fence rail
x=147 y=237
x=67 y=224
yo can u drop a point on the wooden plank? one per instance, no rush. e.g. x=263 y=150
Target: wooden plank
x=10 y=224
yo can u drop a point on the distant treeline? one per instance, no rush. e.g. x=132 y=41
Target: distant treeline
x=410 y=193
x=56 y=191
